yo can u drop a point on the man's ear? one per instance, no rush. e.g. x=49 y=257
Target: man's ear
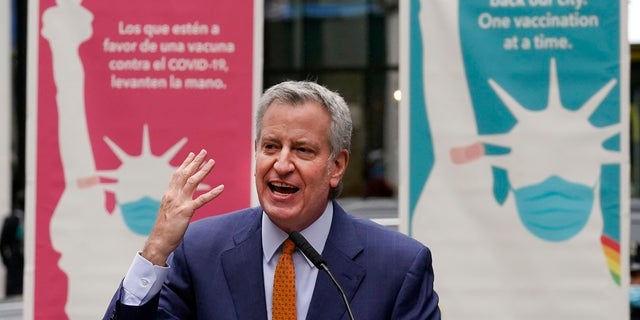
x=340 y=163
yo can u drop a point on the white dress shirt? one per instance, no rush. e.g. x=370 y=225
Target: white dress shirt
x=144 y=280
x=306 y=272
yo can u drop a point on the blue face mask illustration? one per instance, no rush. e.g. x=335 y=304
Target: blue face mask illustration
x=555 y=209
x=140 y=215
x=634 y=295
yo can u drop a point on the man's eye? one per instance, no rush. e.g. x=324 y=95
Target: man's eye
x=306 y=152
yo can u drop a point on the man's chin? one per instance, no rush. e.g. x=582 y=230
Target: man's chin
x=279 y=213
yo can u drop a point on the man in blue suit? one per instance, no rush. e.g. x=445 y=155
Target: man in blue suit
x=223 y=267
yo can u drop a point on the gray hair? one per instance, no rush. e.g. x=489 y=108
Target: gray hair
x=300 y=92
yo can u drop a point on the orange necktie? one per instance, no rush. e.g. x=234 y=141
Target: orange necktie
x=284 y=285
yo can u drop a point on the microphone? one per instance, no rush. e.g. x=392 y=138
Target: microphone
x=319 y=262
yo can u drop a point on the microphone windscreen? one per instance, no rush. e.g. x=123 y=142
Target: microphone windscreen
x=307 y=249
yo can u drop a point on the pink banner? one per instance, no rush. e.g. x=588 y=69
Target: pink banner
x=126 y=89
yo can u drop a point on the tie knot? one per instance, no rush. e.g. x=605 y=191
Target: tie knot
x=288 y=246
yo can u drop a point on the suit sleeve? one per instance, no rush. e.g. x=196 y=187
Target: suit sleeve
x=174 y=301
x=117 y=310
x=417 y=299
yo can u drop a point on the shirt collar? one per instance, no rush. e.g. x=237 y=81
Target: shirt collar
x=316 y=234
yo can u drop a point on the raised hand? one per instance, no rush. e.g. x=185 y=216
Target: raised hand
x=178 y=206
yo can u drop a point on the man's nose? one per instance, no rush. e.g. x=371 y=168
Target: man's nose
x=283 y=163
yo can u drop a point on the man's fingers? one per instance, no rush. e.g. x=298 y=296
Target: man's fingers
x=196 y=163
x=186 y=169
x=194 y=180
x=187 y=160
x=185 y=182
x=208 y=196
x=178 y=177
x=178 y=206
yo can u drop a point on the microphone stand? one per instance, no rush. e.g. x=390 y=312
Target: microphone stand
x=319 y=262
x=344 y=297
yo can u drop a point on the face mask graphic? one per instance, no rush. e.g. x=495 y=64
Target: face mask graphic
x=140 y=215
x=555 y=209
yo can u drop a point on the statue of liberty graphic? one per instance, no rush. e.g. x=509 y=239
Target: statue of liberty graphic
x=554 y=200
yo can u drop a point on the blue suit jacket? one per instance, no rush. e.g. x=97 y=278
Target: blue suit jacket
x=216 y=273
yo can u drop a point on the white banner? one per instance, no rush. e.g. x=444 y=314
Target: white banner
x=516 y=136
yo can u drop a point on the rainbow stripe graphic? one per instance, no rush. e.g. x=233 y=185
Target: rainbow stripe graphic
x=611 y=250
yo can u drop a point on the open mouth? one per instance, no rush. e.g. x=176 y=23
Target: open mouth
x=282 y=188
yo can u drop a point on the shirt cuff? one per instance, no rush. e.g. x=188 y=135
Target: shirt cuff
x=142 y=282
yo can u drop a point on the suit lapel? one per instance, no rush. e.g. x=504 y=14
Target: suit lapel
x=242 y=267
x=341 y=248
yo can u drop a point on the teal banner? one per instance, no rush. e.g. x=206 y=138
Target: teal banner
x=518 y=163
